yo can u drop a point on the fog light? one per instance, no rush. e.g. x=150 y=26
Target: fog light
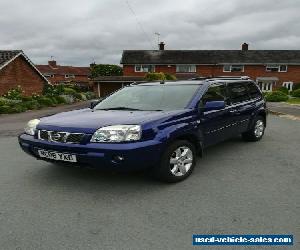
x=117 y=159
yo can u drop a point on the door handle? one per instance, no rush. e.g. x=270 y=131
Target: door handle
x=233 y=111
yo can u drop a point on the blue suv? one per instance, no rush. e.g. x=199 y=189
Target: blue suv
x=157 y=125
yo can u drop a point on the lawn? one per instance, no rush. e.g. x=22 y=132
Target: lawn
x=295 y=100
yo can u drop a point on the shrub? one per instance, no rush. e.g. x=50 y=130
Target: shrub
x=77 y=96
x=35 y=96
x=6 y=101
x=18 y=108
x=45 y=101
x=90 y=95
x=70 y=91
x=296 y=86
x=170 y=77
x=53 y=90
x=31 y=105
x=83 y=97
x=284 y=90
x=60 y=99
x=155 y=76
x=68 y=98
x=5 y=109
x=106 y=70
x=26 y=98
x=78 y=87
x=265 y=94
x=14 y=94
x=277 y=96
x=296 y=93
x=2 y=101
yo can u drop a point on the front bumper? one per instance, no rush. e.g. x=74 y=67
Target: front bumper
x=137 y=155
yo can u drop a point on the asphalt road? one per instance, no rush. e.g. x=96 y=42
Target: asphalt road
x=238 y=187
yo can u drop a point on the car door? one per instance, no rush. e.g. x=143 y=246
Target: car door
x=214 y=123
x=241 y=105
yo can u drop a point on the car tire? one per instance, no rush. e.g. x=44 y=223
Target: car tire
x=257 y=131
x=177 y=163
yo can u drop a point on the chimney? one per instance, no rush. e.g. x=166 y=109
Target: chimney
x=161 y=46
x=52 y=64
x=245 y=46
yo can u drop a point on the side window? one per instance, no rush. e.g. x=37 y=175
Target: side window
x=214 y=93
x=253 y=90
x=238 y=92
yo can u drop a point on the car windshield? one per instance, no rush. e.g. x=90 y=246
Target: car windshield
x=150 y=97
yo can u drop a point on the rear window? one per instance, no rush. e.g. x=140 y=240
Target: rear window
x=253 y=90
x=238 y=92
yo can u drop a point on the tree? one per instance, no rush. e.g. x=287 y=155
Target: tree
x=106 y=70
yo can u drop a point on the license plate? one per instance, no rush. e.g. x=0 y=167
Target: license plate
x=57 y=155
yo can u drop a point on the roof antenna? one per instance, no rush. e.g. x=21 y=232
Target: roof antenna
x=158 y=36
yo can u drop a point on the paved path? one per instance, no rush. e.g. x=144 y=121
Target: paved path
x=284 y=108
x=13 y=124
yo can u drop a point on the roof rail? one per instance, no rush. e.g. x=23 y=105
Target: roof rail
x=222 y=78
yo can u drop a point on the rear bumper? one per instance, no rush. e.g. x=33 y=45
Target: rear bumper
x=136 y=155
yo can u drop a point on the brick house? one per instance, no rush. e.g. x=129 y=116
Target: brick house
x=17 y=69
x=58 y=74
x=270 y=68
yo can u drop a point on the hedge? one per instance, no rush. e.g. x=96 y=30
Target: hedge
x=155 y=76
x=277 y=96
x=284 y=90
x=296 y=93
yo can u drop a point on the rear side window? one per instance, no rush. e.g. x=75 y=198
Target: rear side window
x=238 y=92
x=214 y=93
x=253 y=90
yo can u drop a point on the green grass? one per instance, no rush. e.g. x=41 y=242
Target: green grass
x=295 y=100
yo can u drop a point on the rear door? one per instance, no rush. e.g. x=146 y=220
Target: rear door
x=214 y=123
x=242 y=98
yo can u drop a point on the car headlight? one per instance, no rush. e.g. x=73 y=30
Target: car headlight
x=117 y=133
x=31 y=126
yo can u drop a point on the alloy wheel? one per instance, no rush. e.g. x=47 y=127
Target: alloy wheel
x=259 y=128
x=181 y=161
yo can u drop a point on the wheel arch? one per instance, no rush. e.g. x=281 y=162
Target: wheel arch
x=192 y=139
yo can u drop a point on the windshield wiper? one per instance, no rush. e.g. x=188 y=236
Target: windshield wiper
x=120 y=108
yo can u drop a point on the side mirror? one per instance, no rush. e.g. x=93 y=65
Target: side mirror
x=214 y=105
x=94 y=103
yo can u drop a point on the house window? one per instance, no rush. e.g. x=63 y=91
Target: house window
x=276 y=68
x=266 y=86
x=186 y=68
x=233 y=68
x=144 y=68
x=69 y=76
x=288 y=85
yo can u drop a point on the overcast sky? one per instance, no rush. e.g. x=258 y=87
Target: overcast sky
x=79 y=32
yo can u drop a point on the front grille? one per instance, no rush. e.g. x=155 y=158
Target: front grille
x=62 y=137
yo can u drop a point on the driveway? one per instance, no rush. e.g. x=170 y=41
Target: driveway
x=238 y=187
x=284 y=108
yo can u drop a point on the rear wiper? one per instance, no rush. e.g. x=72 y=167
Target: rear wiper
x=119 y=108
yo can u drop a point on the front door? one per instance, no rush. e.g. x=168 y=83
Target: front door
x=214 y=123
